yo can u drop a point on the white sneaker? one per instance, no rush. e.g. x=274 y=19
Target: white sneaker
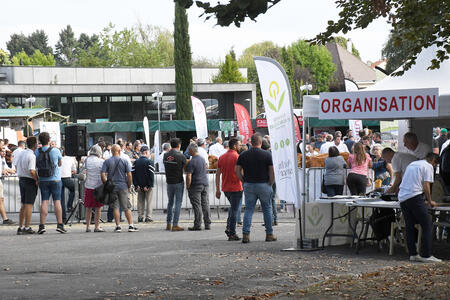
x=415 y=258
x=132 y=228
x=430 y=259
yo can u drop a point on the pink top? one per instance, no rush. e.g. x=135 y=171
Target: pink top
x=361 y=169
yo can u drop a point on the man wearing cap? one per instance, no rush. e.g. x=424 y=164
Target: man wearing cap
x=202 y=151
x=143 y=180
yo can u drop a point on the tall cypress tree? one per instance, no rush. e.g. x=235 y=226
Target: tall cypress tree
x=183 y=64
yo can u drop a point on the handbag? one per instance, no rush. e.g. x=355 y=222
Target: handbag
x=101 y=193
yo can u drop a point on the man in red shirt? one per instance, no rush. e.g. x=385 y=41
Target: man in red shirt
x=231 y=185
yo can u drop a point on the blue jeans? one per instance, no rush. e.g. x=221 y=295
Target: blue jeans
x=274 y=204
x=253 y=192
x=415 y=212
x=174 y=192
x=50 y=188
x=238 y=213
x=235 y=199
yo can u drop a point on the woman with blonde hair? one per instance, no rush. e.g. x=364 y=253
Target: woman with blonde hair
x=93 y=167
x=382 y=169
x=359 y=162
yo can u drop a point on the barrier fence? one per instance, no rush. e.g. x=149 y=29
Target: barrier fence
x=160 y=199
x=314 y=182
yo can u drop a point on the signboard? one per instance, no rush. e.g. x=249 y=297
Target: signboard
x=355 y=126
x=53 y=130
x=276 y=92
x=261 y=123
x=201 y=125
x=391 y=104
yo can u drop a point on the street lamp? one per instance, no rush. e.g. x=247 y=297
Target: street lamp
x=250 y=106
x=158 y=97
x=31 y=100
x=307 y=87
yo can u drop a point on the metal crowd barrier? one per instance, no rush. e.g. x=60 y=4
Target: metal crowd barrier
x=314 y=182
x=160 y=199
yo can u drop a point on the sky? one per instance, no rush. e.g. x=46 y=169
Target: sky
x=283 y=24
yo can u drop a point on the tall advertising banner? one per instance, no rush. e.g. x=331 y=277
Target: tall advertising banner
x=201 y=126
x=156 y=145
x=276 y=93
x=244 y=123
x=146 y=131
x=355 y=126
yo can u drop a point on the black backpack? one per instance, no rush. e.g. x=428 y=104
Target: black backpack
x=44 y=163
x=380 y=221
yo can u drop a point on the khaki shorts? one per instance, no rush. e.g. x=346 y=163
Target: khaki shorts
x=120 y=199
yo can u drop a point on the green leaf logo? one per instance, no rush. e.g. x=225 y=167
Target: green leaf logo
x=274 y=91
x=271 y=106
x=281 y=100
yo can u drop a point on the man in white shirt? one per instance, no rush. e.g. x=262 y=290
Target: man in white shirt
x=217 y=149
x=166 y=148
x=15 y=154
x=418 y=149
x=202 y=151
x=338 y=143
x=329 y=142
x=28 y=184
x=414 y=188
x=399 y=161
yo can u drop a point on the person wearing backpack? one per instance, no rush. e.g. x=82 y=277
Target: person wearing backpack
x=117 y=170
x=48 y=159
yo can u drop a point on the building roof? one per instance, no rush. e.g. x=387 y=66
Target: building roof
x=21 y=112
x=349 y=66
x=29 y=113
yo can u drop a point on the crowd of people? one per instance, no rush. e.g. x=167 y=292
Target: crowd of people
x=407 y=174
x=131 y=168
x=241 y=169
x=368 y=154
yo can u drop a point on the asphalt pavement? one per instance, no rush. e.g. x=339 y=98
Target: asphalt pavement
x=155 y=263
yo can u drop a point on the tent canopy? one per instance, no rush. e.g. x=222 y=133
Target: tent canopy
x=422 y=87
x=418 y=76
